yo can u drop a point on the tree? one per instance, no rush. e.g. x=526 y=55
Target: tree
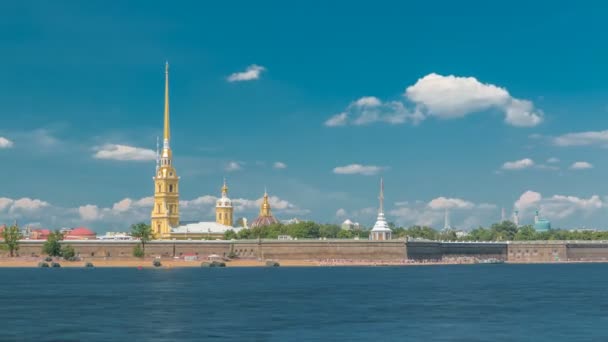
x=143 y=232
x=52 y=246
x=68 y=252
x=229 y=235
x=138 y=252
x=11 y=236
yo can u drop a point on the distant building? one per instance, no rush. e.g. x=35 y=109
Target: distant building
x=80 y=233
x=381 y=231
x=541 y=224
x=291 y=221
x=350 y=225
x=201 y=230
x=265 y=218
x=39 y=234
x=115 y=236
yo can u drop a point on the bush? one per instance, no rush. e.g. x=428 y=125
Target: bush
x=68 y=252
x=89 y=265
x=43 y=264
x=272 y=264
x=138 y=252
x=156 y=263
x=48 y=259
x=72 y=259
x=55 y=265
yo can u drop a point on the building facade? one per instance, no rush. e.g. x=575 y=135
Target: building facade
x=224 y=212
x=165 y=213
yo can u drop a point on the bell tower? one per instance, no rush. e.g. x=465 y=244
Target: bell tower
x=165 y=213
x=223 y=208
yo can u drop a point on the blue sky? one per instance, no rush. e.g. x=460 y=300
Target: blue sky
x=470 y=106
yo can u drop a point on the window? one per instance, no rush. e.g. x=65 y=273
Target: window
x=170 y=187
x=158 y=208
x=159 y=186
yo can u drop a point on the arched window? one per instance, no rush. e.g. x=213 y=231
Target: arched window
x=158 y=187
x=170 y=187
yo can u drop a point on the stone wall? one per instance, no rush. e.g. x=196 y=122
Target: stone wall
x=524 y=252
x=435 y=250
x=537 y=251
x=266 y=249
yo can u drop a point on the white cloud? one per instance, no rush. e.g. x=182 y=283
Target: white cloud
x=450 y=203
x=369 y=101
x=5 y=143
x=557 y=206
x=446 y=97
x=581 y=165
x=279 y=165
x=454 y=97
x=553 y=160
x=352 y=169
x=599 y=138
x=369 y=109
x=341 y=212
x=5 y=203
x=518 y=164
x=253 y=72
x=89 y=212
x=28 y=204
x=233 y=166
x=124 y=153
x=528 y=200
x=337 y=120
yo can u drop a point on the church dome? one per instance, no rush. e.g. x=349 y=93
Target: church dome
x=265 y=218
x=224 y=201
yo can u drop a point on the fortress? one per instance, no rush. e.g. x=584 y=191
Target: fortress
x=373 y=251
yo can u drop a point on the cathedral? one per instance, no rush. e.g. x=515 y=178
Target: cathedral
x=165 y=216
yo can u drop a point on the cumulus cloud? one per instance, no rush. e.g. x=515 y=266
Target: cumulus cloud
x=233 y=166
x=253 y=72
x=89 y=212
x=28 y=204
x=557 y=206
x=369 y=109
x=5 y=143
x=354 y=169
x=581 y=165
x=597 y=138
x=279 y=165
x=521 y=164
x=124 y=153
x=450 y=203
x=446 y=97
x=341 y=212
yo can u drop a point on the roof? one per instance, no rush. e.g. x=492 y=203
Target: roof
x=81 y=231
x=347 y=222
x=263 y=221
x=203 y=227
x=381 y=225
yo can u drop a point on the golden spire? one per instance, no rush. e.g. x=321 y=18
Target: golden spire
x=225 y=189
x=265 y=208
x=167 y=132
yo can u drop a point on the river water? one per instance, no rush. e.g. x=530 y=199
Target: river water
x=555 y=302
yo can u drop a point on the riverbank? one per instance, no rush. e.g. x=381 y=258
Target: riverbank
x=179 y=263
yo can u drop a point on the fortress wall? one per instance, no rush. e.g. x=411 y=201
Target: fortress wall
x=333 y=249
x=432 y=250
x=537 y=251
x=476 y=250
x=587 y=251
x=424 y=250
x=287 y=250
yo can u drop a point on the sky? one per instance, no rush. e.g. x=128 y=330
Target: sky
x=469 y=106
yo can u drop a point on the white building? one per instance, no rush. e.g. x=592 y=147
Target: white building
x=381 y=231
